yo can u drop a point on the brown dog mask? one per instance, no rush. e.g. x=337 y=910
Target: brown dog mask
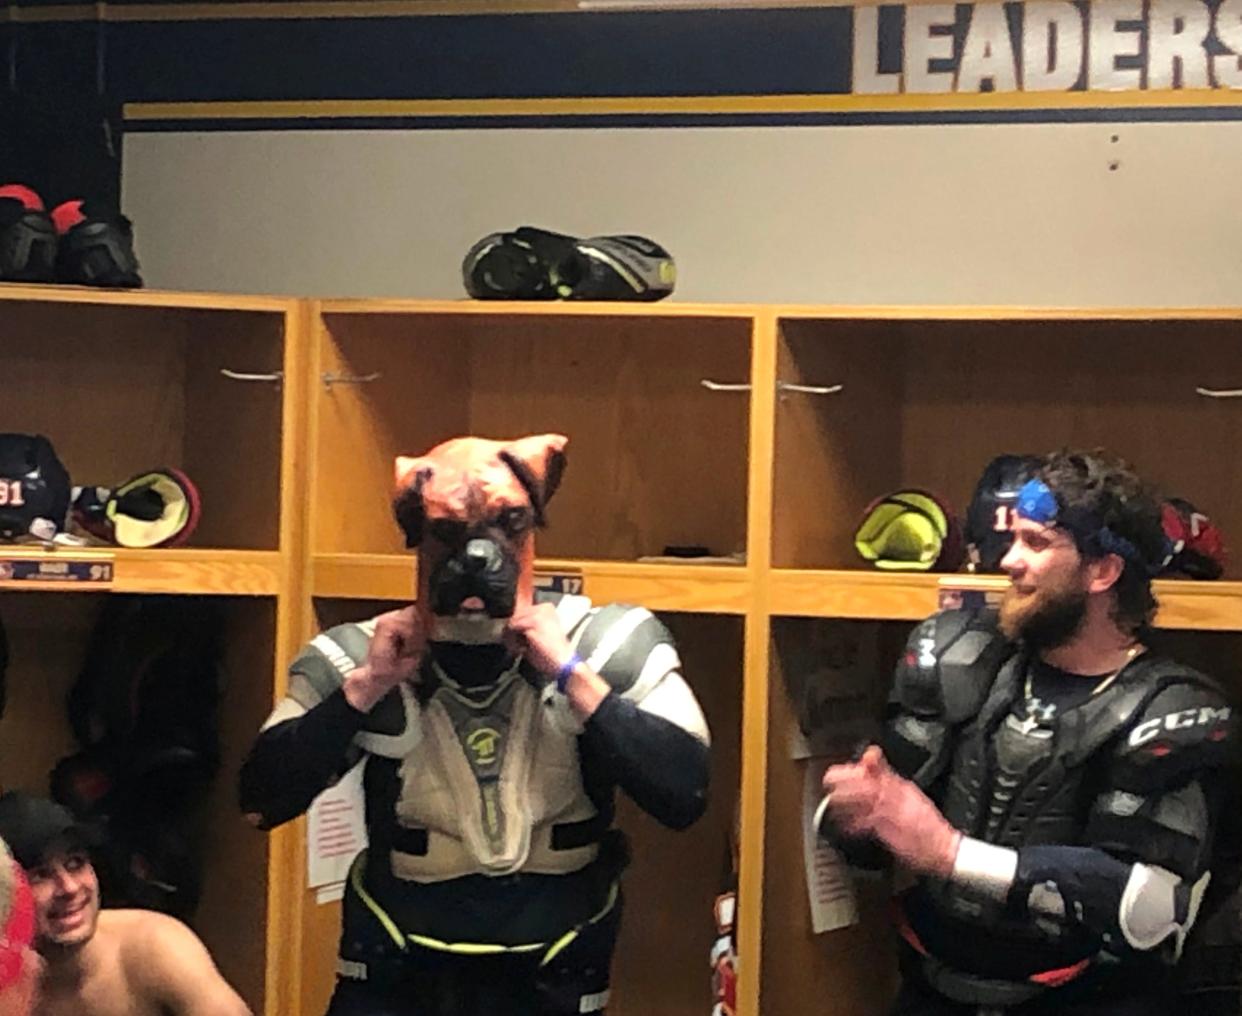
x=471 y=506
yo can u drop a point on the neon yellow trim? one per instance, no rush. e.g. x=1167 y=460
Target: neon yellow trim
x=672 y=104
x=561 y=943
x=473 y=948
x=470 y=948
x=558 y=947
x=355 y=879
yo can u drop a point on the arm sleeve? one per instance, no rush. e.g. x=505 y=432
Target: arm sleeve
x=295 y=759
x=308 y=742
x=659 y=764
x=649 y=734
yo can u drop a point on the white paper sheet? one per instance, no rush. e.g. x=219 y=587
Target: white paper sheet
x=330 y=893
x=335 y=831
x=829 y=883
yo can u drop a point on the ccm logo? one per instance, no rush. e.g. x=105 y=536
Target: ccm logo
x=1148 y=729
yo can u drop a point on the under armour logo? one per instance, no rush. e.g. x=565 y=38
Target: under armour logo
x=1037 y=713
x=1044 y=712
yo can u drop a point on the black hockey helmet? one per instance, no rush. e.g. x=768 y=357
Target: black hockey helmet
x=34 y=488
x=990 y=517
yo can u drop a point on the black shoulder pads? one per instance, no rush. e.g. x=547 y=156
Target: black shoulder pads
x=950 y=662
x=1186 y=727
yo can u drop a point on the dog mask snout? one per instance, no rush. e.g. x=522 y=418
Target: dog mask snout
x=483 y=557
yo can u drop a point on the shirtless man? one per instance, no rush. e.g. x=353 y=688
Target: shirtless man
x=110 y=962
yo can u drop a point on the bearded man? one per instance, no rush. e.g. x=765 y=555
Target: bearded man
x=1051 y=783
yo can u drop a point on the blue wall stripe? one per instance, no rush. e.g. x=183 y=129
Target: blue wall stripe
x=1174 y=114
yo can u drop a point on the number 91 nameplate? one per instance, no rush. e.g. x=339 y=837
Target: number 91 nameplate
x=63 y=570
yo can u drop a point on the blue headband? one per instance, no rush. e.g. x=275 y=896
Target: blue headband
x=1037 y=502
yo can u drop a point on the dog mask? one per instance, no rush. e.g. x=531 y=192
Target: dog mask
x=471 y=506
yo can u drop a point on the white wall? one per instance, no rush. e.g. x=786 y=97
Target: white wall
x=1021 y=214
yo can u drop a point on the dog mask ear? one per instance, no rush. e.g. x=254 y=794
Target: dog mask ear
x=538 y=462
x=407 y=505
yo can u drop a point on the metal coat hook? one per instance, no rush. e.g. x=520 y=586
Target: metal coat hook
x=1220 y=393
x=329 y=379
x=781 y=386
x=788 y=386
x=238 y=375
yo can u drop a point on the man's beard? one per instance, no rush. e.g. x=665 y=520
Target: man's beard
x=1045 y=619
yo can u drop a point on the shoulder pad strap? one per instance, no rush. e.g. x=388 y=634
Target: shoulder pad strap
x=950 y=662
x=617 y=640
x=329 y=656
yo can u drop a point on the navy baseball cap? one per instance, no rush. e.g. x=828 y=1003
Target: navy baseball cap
x=33 y=826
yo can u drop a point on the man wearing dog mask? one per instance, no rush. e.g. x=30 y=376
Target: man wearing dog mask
x=496 y=726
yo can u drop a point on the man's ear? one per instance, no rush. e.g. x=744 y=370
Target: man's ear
x=538 y=462
x=407 y=503
x=1104 y=572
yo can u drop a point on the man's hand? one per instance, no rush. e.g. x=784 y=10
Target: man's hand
x=535 y=632
x=866 y=798
x=394 y=655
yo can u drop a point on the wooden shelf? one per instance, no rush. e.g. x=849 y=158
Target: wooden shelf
x=529 y=308
x=1211 y=606
x=901 y=596
x=1001 y=312
x=184 y=571
x=706 y=589
x=155 y=298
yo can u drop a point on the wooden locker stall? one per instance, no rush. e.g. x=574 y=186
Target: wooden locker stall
x=656 y=459
x=927 y=397
x=122 y=383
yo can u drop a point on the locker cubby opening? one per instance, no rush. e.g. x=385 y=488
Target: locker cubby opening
x=48 y=638
x=654 y=458
x=122 y=390
x=661 y=963
x=829 y=679
x=928 y=403
x=1216 y=653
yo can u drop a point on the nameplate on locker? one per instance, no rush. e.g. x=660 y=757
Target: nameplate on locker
x=566 y=583
x=92 y=572
x=970 y=592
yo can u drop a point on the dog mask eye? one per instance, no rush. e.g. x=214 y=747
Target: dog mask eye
x=515 y=521
x=450 y=532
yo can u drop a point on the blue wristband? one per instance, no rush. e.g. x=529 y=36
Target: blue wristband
x=567 y=668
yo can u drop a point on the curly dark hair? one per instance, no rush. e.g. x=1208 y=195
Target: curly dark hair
x=1098 y=491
